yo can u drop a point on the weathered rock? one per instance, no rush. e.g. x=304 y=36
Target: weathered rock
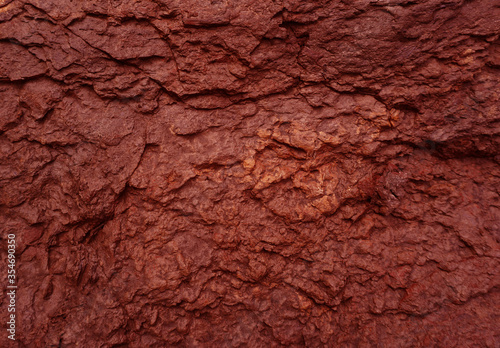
x=248 y=173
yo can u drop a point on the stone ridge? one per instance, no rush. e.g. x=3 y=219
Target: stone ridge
x=252 y=173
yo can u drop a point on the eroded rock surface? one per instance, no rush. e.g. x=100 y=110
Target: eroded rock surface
x=252 y=173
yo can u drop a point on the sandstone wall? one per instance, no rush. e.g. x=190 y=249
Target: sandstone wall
x=243 y=173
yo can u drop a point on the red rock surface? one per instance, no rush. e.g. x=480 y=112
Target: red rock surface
x=252 y=173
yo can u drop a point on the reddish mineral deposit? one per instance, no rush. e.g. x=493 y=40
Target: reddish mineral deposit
x=251 y=173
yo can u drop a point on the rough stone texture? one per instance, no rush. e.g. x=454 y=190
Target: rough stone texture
x=243 y=173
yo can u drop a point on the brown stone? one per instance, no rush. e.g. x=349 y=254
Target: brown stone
x=255 y=174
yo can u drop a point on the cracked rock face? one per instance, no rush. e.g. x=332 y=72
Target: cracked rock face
x=251 y=173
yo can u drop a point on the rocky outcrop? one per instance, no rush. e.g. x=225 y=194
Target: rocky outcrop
x=252 y=173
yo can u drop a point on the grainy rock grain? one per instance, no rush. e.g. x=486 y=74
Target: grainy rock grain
x=243 y=173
